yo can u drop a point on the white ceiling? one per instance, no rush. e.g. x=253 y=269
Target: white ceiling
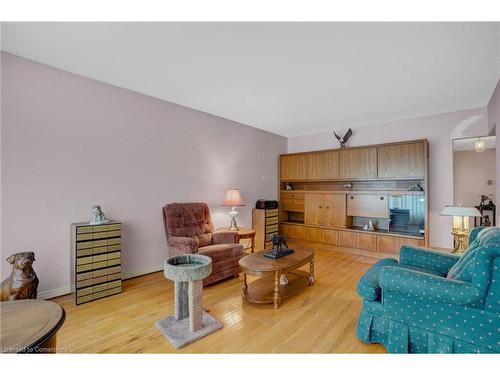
x=287 y=78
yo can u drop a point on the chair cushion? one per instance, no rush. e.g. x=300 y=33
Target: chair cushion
x=369 y=287
x=222 y=251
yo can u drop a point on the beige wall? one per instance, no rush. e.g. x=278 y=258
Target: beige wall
x=472 y=170
x=69 y=142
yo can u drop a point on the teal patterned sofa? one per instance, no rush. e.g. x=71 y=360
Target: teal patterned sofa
x=431 y=302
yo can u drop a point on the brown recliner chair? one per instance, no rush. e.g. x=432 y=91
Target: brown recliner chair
x=189 y=230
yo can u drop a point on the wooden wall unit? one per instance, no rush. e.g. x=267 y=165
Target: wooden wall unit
x=320 y=209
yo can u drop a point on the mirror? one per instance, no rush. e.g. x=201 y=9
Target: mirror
x=474 y=176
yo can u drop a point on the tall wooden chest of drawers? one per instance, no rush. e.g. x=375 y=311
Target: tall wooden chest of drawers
x=265 y=223
x=96 y=260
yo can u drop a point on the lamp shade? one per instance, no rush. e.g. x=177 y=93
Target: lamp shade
x=233 y=198
x=460 y=211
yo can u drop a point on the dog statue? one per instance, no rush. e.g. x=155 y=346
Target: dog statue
x=22 y=282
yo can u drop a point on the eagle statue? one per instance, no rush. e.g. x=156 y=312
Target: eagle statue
x=343 y=140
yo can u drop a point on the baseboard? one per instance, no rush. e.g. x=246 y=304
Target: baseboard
x=130 y=275
x=48 y=294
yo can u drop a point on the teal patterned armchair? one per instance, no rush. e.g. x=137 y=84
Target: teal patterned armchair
x=431 y=302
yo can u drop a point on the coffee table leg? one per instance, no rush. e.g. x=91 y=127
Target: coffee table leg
x=311 y=272
x=244 y=285
x=277 y=298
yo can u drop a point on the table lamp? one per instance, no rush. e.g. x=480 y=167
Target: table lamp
x=233 y=199
x=460 y=224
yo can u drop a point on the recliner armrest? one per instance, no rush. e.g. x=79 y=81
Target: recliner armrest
x=224 y=237
x=423 y=285
x=182 y=245
x=427 y=258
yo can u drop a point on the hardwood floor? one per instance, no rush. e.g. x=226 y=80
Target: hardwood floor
x=321 y=319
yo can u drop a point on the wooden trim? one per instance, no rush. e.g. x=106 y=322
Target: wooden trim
x=357 y=147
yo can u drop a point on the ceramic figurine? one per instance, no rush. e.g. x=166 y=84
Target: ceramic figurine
x=98 y=216
x=22 y=282
x=370 y=225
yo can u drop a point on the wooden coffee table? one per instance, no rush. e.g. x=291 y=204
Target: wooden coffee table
x=267 y=288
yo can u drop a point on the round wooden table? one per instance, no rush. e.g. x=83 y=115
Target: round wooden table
x=267 y=288
x=30 y=326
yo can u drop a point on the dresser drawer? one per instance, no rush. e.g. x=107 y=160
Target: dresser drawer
x=101 y=294
x=87 y=229
x=272 y=220
x=114 y=276
x=114 y=233
x=84 y=236
x=84 y=252
x=84 y=291
x=114 y=255
x=271 y=229
x=114 y=270
x=89 y=244
x=99 y=288
x=273 y=212
x=99 y=250
x=114 y=262
x=84 y=283
x=116 y=290
x=83 y=276
x=114 y=248
x=84 y=299
x=100 y=228
x=114 y=284
x=292 y=196
x=99 y=235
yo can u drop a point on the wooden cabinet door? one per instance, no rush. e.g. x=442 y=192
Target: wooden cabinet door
x=323 y=165
x=314 y=234
x=297 y=232
x=293 y=167
x=392 y=244
x=330 y=236
x=402 y=161
x=335 y=210
x=388 y=244
x=314 y=209
x=358 y=163
x=368 y=205
x=348 y=239
x=367 y=241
